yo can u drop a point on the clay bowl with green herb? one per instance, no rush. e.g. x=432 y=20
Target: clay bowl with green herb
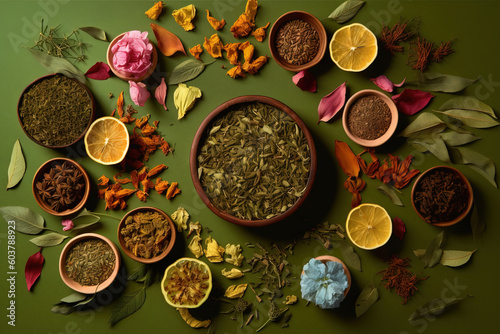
x=370 y=118
x=442 y=196
x=146 y=234
x=61 y=186
x=56 y=111
x=297 y=41
x=89 y=263
x=253 y=161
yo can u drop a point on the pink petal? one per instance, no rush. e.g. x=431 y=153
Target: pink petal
x=384 y=83
x=305 y=81
x=411 y=101
x=68 y=224
x=331 y=103
x=33 y=268
x=398 y=228
x=138 y=93
x=161 y=93
x=100 y=71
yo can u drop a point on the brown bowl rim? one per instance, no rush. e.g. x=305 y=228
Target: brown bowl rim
x=123 y=75
x=462 y=177
x=392 y=127
x=311 y=19
x=158 y=257
x=91 y=288
x=193 y=164
x=43 y=205
x=92 y=113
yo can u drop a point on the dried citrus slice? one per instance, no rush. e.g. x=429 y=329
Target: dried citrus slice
x=369 y=226
x=107 y=140
x=353 y=48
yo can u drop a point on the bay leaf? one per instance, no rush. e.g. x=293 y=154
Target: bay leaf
x=49 y=239
x=468 y=103
x=367 y=297
x=127 y=305
x=58 y=65
x=389 y=192
x=84 y=219
x=351 y=258
x=455 y=258
x=74 y=298
x=26 y=220
x=17 y=166
x=63 y=309
x=346 y=11
x=437 y=82
x=185 y=71
x=97 y=33
x=435 y=307
x=434 y=145
x=433 y=252
x=426 y=121
x=453 y=138
x=471 y=118
x=475 y=160
x=477 y=222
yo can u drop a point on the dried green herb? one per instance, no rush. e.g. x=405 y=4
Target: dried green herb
x=185 y=71
x=455 y=258
x=435 y=307
x=389 y=191
x=350 y=257
x=97 y=33
x=471 y=118
x=273 y=313
x=27 y=221
x=424 y=124
x=475 y=160
x=346 y=11
x=433 y=144
x=84 y=219
x=433 y=251
x=127 y=305
x=467 y=103
x=454 y=138
x=17 y=166
x=367 y=297
x=49 y=239
x=437 y=82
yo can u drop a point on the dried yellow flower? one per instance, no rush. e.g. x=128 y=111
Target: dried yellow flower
x=232 y=52
x=260 y=33
x=290 y=300
x=196 y=51
x=216 y=24
x=232 y=274
x=245 y=23
x=248 y=50
x=254 y=66
x=214 y=252
x=184 y=98
x=235 y=291
x=236 y=72
x=214 y=46
x=155 y=11
x=234 y=251
x=195 y=246
x=184 y=16
x=194 y=227
x=180 y=218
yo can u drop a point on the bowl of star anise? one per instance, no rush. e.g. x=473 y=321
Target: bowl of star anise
x=61 y=186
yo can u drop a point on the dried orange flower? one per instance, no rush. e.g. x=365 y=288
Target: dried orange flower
x=254 y=66
x=172 y=190
x=245 y=23
x=214 y=46
x=232 y=52
x=196 y=51
x=260 y=33
x=119 y=104
x=236 y=72
x=184 y=16
x=104 y=181
x=216 y=24
x=248 y=50
x=155 y=11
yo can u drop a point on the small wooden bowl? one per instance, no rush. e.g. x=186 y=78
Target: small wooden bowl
x=158 y=257
x=462 y=178
x=44 y=168
x=314 y=22
x=327 y=258
x=197 y=142
x=92 y=116
x=125 y=75
x=92 y=288
x=392 y=127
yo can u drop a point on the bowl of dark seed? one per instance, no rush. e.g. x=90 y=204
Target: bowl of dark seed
x=442 y=196
x=370 y=118
x=56 y=111
x=297 y=41
x=253 y=161
x=89 y=263
x=61 y=186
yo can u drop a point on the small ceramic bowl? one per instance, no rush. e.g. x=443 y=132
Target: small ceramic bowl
x=463 y=179
x=314 y=22
x=163 y=254
x=392 y=126
x=128 y=76
x=204 y=268
x=327 y=258
x=88 y=289
x=39 y=176
x=37 y=81
x=197 y=143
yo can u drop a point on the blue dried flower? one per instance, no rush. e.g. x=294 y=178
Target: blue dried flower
x=323 y=284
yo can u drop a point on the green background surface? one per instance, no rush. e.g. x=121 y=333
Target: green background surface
x=473 y=24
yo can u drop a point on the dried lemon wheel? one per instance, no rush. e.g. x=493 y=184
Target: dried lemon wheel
x=353 y=48
x=107 y=141
x=369 y=226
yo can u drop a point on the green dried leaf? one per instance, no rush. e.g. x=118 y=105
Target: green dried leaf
x=74 y=298
x=389 y=192
x=468 y=103
x=84 y=219
x=17 y=166
x=434 y=145
x=477 y=222
x=127 y=305
x=97 y=33
x=350 y=257
x=186 y=71
x=138 y=273
x=477 y=161
x=424 y=123
x=48 y=240
x=433 y=251
x=437 y=82
x=455 y=258
x=63 y=309
x=367 y=297
x=58 y=65
x=435 y=307
x=27 y=221
x=453 y=138
x=346 y=11
x=472 y=118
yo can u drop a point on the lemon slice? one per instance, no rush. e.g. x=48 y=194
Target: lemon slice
x=107 y=141
x=353 y=47
x=369 y=226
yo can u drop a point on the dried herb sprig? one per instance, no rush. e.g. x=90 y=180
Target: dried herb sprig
x=393 y=36
x=274 y=313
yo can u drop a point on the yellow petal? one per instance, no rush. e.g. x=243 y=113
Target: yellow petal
x=184 y=98
x=155 y=11
x=184 y=16
x=235 y=291
x=180 y=218
x=232 y=274
x=234 y=251
x=214 y=46
x=195 y=246
x=251 y=10
x=214 y=252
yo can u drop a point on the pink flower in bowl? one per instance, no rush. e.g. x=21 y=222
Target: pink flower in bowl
x=132 y=54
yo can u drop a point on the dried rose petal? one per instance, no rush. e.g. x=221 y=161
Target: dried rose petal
x=305 y=81
x=99 y=71
x=68 y=224
x=411 y=101
x=398 y=227
x=161 y=93
x=33 y=268
x=138 y=93
x=384 y=83
x=331 y=103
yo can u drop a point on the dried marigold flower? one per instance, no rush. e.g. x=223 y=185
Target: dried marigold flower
x=245 y=23
x=142 y=195
x=183 y=16
x=248 y=50
x=172 y=190
x=214 y=46
x=232 y=52
x=155 y=170
x=260 y=33
x=154 y=12
x=216 y=24
x=254 y=66
x=104 y=181
x=121 y=181
x=196 y=51
x=119 y=104
x=236 y=72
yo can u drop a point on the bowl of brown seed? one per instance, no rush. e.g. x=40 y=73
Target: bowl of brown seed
x=61 y=186
x=253 y=161
x=297 y=41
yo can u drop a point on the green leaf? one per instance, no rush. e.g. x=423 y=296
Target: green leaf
x=346 y=11
x=389 y=192
x=84 y=219
x=424 y=122
x=74 y=298
x=350 y=257
x=475 y=160
x=367 y=297
x=472 y=118
x=127 y=305
x=138 y=273
x=63 y=309
x=437 y=82
x=435 y=145
x=48 y=240
x=455 y=258
x=97 y=33
x=434 y=308
x=453 y=138
x=26 y=220
x=58 y=65
x=419 y=253
x=468 y=103
x=433 y=251
x=477 y=222
x=185 y=71
x=17 y=166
